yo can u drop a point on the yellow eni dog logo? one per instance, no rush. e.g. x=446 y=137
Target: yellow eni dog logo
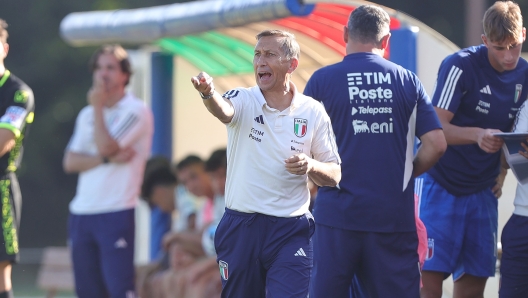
x=21 y=96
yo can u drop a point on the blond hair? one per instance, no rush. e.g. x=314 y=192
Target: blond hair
x=503 y=22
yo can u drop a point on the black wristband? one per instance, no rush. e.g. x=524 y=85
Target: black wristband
x=105 y=159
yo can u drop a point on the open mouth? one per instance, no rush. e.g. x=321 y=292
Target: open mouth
x=264 y=75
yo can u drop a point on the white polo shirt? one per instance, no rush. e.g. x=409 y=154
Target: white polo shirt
x=112 y=187
x=260 y=139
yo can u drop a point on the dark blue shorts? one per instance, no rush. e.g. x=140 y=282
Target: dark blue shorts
x=103 y=254
x=264 y=256
x=514 y=261
x=384 y=264
x=461 y=230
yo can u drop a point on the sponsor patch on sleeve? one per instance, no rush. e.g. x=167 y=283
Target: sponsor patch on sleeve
x=15 y=116
x=21 y=96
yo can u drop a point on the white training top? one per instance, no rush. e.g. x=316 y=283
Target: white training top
x=260 y=139
x=112 y=187
x=521 y=194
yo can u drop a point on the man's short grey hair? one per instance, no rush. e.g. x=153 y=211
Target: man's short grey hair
x=368 y=24
x=288 y=43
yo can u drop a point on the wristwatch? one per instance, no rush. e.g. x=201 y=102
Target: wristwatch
x=208 y=95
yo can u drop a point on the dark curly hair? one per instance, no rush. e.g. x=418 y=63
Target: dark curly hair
x=158 y=171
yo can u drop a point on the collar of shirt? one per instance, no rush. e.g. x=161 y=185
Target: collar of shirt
x=4 y=77
x=129 y=96
x=296 y=100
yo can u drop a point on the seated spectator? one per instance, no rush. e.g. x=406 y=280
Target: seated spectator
x=216 y=168
x=186 y=208
x=204 y=273
x=159 y=184
x=173 y=282
x=199 y=279
x=192 y=175
x=158 y=190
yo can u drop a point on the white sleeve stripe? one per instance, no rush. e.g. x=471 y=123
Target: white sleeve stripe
x=446 y=83
x=418 y=192
x=453 y=89
x=449 y=87
x=331 y=136
x=409 y=150
x=127 y=124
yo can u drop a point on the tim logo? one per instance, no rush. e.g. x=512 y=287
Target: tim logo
x=230 y=94
x=360 y=126
x=300 y=126
x=223 y=270
x=430 y=249
x=259 y=119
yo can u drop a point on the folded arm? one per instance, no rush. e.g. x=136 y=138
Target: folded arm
x=74 y=162
x=79 y=162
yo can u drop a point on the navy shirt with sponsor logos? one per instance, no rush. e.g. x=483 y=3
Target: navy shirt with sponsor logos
x=16 y=113
x=377 y=108
x=479 y=96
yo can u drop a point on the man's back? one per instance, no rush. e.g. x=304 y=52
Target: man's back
x=376 y=108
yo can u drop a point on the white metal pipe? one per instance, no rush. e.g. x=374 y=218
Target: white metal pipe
x=144 y=25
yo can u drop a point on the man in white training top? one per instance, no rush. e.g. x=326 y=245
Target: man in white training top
x=277 y=138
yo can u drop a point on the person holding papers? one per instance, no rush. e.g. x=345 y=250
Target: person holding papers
x=478 y=93
x=514 y=261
